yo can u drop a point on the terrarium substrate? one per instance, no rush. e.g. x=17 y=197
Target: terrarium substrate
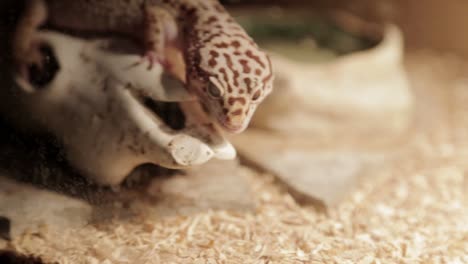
x=408 y=206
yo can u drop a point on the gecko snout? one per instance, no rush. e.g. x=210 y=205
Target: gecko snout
x=235 y=121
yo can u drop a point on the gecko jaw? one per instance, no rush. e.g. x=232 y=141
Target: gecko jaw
x=236 y=123
x=233 y=129
x=230 y=128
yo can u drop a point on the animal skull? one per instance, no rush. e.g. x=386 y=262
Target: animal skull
x=95 y=104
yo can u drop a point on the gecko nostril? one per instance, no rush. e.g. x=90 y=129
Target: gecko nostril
x=256 y=95
x=41 y=75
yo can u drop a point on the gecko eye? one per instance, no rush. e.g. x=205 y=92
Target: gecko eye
x=214 y=90
x=256 y=96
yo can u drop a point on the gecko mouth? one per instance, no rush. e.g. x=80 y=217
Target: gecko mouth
x=221 y=121
x=230 y=128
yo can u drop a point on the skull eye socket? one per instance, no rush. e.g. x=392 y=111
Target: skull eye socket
x=41 y=75
x=256 y=95
x=214 y=90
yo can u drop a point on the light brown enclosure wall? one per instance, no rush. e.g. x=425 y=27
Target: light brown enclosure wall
x=437 y=24
x=442 y=24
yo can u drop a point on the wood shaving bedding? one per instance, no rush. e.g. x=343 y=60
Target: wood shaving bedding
x=412 y=209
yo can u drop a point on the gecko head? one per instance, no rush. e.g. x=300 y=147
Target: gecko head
x=231 y=82
x=233 y=111
x=231 y=76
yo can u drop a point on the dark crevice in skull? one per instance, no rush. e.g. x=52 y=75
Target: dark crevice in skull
x=5 y=228
x=11 y=257
x=142 y=175
x=43 y=74
x=170 y=113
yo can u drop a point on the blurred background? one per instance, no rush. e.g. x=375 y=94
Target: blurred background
x=436 y=24
x=367 y=121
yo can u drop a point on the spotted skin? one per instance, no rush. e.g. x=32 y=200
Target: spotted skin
x=224 y=67
x=219 y=55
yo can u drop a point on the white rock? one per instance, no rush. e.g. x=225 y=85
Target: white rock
x=310 y=172
x=365 y=92
x=216 y=185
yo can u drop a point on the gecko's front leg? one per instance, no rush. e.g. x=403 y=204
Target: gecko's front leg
x=26 y=45
x=160 y=31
